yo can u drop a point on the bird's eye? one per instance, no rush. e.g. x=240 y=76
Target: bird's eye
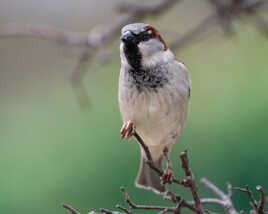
x=147 y=32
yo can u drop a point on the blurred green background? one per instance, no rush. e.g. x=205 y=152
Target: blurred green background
x=52 y=152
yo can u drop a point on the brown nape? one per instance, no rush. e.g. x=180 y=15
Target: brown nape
x=158 y=36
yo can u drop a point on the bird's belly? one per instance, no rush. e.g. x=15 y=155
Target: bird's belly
x=158 y=117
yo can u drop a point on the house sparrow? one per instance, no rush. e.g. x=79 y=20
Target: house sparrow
x=154 y=91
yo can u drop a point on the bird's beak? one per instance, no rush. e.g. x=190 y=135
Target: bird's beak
x=127 y=36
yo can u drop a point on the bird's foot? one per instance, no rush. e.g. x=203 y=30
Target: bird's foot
x=128 y=129
x=167 y=176
x=168 y=173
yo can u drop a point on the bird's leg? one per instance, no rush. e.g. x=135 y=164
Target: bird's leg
x=168 y=173
x=127 y=129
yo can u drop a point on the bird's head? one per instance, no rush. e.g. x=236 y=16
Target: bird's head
x=141 y=45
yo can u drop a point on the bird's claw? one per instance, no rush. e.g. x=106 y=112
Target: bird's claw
x=168 y=173
x=128 y=129
x=167 y=176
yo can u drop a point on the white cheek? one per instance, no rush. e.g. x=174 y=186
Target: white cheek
x=159 y=57
x=153 y=52
x=145 y=49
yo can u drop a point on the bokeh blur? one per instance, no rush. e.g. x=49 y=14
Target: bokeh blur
x=51 y=151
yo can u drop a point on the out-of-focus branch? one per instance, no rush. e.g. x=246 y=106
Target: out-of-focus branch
x=92 y=40
x=134 y=13
x=226 y=201
x=46 y=33
x=261 y=24
x=95 y=40
x=194 y=34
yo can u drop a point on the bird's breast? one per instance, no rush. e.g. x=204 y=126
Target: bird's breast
x=156 y=101
x=159 y=115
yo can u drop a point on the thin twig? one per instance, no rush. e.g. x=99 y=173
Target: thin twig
x=148 y=154
x=127 y=211
x=163 y=211
x=92 y=40
x=262 y=199
x=260 y=23
x=144 y=207
x=191 y=180
x=151 y=163
x=249 y=193
x=194 y=34
x=179 y=200
x=227 y=202
x=229 y=189
x=105 y=211
x=95 y=40
x=68 y=207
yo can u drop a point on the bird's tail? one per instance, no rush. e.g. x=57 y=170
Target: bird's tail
x=148 y=178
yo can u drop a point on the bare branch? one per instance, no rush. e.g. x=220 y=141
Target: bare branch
x=213 y=188
x=194 y=34
x=144 y=207
x=125 y=210
x=163 y=211
x=179 y=200
x=151 y=163
x=148 y=154
x=260 y=23
x=191 y=180
x=90 y=39
x=226 y=200
x=262 y=199
x=229 y=189
x=68 y=207
x=46 y=33
x=249 y=193
x=94 y=40
x=105 y=211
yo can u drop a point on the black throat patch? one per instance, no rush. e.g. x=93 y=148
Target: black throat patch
x=133 y=55
x=143 y=78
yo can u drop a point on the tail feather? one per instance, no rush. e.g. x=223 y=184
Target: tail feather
x=148 y=178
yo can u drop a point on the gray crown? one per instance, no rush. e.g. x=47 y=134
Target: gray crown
x=135 y=28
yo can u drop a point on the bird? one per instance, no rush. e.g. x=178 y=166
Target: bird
x=153 y=93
